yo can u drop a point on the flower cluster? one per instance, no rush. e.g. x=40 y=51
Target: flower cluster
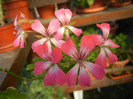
x=50 y=47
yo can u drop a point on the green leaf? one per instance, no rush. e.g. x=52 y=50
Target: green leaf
x=36 y=59
x=90 y=2
x=12 y=94
x=30 y=66
x=71 y=23
x=39 y=36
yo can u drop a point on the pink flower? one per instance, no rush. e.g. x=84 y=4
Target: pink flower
x=20 y=34
x=101 y=59
x=64 y=16
x=54 y=74
x=54 y=25
x=86 y=47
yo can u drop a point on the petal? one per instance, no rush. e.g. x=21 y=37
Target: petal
x=50 y=77
x=57 y=43
x=64 y=15
x=41 y=66
x=38 y=27
x=112 y=57
x=56 y=55
x=38 y=42
x=76 y=31
x=42 y=51
x=69 y=48
x=97 y=39
x=84 y=79
x=86 y=46
x=22 y=42
x=110 y=43
x=58 y=35
x=96 y=70
x=54 y=25
x=101 y=59
x=16 y=20
x=60 y=75
x=16 y=41
x=72 y=75
x=105 y=27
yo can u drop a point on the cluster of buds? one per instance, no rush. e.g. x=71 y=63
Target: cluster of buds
x=50 y=47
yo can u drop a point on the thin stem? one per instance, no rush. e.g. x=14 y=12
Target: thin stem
x=1 y=14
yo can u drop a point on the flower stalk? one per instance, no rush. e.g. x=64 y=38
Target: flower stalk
x=1 y=14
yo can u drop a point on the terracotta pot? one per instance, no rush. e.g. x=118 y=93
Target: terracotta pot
x=113 y=27
x=13 y=8
x=118 y=4
x=98 y=5
x=6 y=38
x=46 y=12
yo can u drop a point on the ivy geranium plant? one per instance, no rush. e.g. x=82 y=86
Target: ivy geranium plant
x=56 y=50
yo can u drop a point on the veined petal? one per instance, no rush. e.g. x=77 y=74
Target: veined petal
x=60 y=75
x=69 y=48
x=72 y=75
x=84 y=79
x=76 y=31
x=50 y=77
x=97 y=39
x=41 y=66
x=16 y=20
x=58 y=35
x=64 y=15
x=86 y=46
x=38 y=42
x=57 y=43
x=110 y=43
x=56 y=55
x=101 y=59
x=112 y=57
x=54 y=25
x=96 y=70
x=22 y=41
x=105 y=27
x=38 y=27
x=17 y=41
x=42 y=51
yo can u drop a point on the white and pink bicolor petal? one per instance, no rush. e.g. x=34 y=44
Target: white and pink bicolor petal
x=110 y=43
x=22 y=42
x=96 y=70
x=105 y=27
x=101 y=59
x=41 y=66
x=58 y=35
x=112 y=57
x=84 y=79
x=38 y=27
x=76 y=31
x=57 y=43
x=64 y=15
x=17 y=41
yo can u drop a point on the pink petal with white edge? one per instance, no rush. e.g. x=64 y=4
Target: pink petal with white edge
x=69 y=48
x=22 y=42
x=97 y=39
x=54 y=25
x=60 y=75
x=76 y=31
x=57 y=43
x=96 y=70
x=56 y=55
x=41 y=66
x=72 y=75
x=105 y=27
x=110 y=43
x=86 y=46
x=17 y=41
x=101 y=59
x=42 y=51
x=84 y=79
x=38 y=42
x=112 y=57
x=38 y=27
x=50 y=77
x=58 y=35
x=16 y=21
x=64 y=15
